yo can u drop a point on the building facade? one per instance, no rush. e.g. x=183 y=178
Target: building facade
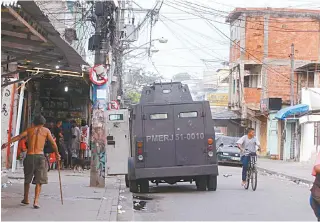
x=260 y=64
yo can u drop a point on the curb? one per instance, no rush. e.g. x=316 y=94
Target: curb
x=4 y=178
x=126 y=202
x=115 y=202
x=288 y=177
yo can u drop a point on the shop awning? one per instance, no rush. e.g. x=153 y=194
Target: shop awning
x=292 y=111
x=29 y=38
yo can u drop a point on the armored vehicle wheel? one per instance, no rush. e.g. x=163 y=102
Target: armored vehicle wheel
x=212 y=183
x=133 y=186
x=144 y=186
x=127 y=181
x=202 y=183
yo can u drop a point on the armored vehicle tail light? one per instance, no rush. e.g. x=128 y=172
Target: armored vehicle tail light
x=210 y=141
x=139 y=144
x=140 y=150
x=210 y=148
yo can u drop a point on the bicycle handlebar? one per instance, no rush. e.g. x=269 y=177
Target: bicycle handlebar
x=251 y=153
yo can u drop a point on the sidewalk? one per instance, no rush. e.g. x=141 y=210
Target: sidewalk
x=297 y=171
x=81 y=202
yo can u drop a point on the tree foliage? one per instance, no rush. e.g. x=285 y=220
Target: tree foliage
x=133 y=96
x=135 y=81
x=181 y=77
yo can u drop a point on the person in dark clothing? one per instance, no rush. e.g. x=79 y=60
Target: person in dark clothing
x=67 y=137
x=57 y=132
x=315 y=190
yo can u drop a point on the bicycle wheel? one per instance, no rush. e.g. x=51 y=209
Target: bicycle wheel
x=248 y=179
x=254 y=179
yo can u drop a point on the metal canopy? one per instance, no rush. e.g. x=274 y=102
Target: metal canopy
x=310 y=67
x=29 y=38
x=296 y=110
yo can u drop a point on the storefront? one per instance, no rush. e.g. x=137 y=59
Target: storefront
x=59 y=97
x=289 y=131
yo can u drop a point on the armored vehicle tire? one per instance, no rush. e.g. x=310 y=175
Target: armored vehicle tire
x=212 y=183
x=202 y=183
x=144 y=186
x=127 y=180
x=133 y=186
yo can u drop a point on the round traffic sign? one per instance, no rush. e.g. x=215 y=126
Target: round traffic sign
x=98 y=75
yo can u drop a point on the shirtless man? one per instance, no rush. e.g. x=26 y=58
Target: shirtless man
x=35 y=169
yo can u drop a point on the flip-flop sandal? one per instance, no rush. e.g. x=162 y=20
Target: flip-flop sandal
x=36 y=206
x=24 y=203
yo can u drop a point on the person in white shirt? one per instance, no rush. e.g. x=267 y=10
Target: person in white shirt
x=247 y=145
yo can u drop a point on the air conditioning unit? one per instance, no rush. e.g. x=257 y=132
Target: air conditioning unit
x=70 y=35
x=270 y=104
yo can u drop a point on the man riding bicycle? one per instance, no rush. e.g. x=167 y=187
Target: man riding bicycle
x=247 y=145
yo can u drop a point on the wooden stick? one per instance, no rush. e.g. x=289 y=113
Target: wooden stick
x=60 y=182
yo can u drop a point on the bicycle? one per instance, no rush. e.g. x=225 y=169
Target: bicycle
x=252 y=173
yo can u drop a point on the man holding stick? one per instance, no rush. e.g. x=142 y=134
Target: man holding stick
x=35 y=169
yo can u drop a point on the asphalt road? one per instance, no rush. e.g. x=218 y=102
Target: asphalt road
x=274 y=199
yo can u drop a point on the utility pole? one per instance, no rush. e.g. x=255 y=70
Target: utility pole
x=150 y=40
x=120 y=53
x=101 y=44
x=292 y=76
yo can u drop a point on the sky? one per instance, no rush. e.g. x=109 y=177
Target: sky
x=193 y=45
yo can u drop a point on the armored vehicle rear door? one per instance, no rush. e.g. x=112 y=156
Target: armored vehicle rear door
x=159 y=135
x=190 y=134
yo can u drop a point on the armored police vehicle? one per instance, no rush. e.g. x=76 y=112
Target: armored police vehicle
x=172 y=139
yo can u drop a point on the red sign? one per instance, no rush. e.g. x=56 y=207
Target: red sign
x=98 y=75
x=114 y=105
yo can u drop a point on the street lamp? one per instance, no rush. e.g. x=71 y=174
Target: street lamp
x=154 y=50
x=161 y=40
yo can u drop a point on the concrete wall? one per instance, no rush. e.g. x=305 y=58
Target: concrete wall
x=307 y=147
x=6 y=106
x=64 y=14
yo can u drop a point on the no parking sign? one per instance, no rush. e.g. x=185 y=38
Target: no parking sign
x=114 y=105
x=98 y=75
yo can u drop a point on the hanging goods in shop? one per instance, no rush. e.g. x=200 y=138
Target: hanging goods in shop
x=98 y=75
x=113 y=105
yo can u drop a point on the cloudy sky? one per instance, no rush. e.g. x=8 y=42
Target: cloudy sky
x=193 y=44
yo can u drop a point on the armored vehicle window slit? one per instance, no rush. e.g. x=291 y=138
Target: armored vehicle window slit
x=115 y=117
x=159 y=116
x=166 y=91
x=188 y=115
